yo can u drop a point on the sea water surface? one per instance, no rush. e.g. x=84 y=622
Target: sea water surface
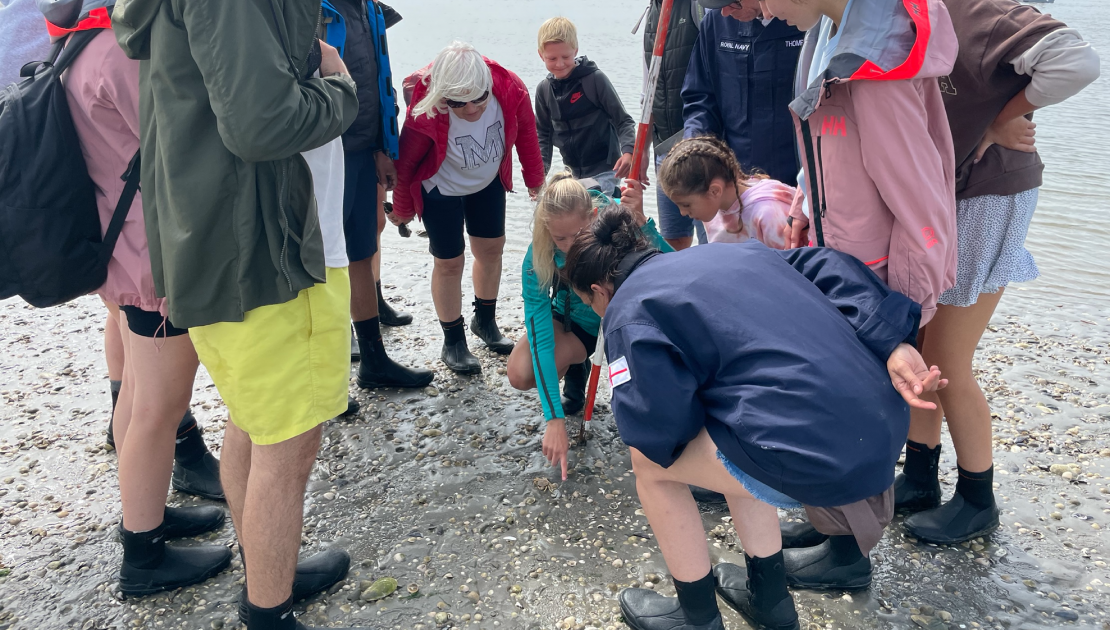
x=1070 y=234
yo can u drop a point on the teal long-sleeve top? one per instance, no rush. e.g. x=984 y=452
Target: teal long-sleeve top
x=539 y=308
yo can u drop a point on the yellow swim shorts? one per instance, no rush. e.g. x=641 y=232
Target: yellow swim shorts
x=285 y=368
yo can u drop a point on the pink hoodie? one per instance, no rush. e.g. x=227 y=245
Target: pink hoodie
x=876 y=148
x=760 y=213
x=102 y=87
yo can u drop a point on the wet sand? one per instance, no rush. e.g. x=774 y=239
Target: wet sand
x=445 y=491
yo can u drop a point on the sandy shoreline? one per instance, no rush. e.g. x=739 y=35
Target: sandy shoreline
x=445 y=490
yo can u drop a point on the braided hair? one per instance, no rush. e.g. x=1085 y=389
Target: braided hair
x=692 y=165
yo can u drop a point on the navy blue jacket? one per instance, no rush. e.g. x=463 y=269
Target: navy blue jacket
x=781 y=356
x=738 y=85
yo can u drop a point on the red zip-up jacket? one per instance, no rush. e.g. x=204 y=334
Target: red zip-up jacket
x=424 y=140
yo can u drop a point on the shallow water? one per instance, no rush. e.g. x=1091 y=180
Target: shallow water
x=1070 y=230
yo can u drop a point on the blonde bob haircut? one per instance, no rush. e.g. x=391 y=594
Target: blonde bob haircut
x=458 y=73
x=557 y=30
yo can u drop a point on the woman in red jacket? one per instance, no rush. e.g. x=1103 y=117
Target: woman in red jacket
x=455 y=166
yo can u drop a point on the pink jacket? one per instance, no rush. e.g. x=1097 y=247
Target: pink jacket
x=760 y=213
x=102 y=88
x=423 y=144
x=876 y=148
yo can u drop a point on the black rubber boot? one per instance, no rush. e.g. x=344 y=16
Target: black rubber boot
x=574 y=388
x=955 y=522
x=377 y=370
x=645 y=609
x=459 y=358
x=195 y=470
x=277 y=618
x=183 y=522
x=760 y=593
x=836 y=564
x=352 y=407
x=388 y=315
x=484 y=327
x=314 y=575
x=707 y=497
x=800 y=535
x=917 y=487
x=150 y=566
x=356 y=353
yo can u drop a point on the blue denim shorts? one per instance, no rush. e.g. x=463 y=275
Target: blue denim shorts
x=758 y=489
x=672 y=223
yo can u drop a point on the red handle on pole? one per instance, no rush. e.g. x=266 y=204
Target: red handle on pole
x=643 y=130
x=591 y=389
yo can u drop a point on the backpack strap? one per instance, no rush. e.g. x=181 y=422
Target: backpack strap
x=123 y=206
x=74 y=44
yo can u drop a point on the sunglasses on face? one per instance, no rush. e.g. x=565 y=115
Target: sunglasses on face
x=460 y=104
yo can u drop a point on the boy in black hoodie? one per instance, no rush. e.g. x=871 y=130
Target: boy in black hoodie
x=578 y=110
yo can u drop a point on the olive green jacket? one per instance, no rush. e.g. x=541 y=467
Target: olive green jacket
x=225 y=112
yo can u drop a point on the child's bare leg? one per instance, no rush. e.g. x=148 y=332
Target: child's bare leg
x=674 y=517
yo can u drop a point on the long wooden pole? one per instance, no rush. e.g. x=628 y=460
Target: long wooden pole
x=639 y=154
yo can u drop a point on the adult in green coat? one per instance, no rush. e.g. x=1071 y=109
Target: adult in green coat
x=231 y=94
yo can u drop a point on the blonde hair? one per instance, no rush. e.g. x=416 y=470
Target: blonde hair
x=562 y=195
x=558 y=30
x=458 y=73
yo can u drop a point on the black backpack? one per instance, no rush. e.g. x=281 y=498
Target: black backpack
x=51 y=250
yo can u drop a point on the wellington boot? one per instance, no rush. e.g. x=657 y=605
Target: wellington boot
x=955 y=522
x=459 y=358
x=150 y=566
x=195 y=470
x=377 y=370
x=836 y=564
x=487 y=331
x=799 y=535
x=314 y=575
x=278 y=618
x=917 y=487
x=759 y=594
x=644 y=609
x=183 y=522
x=574 y=388
x=389 y=316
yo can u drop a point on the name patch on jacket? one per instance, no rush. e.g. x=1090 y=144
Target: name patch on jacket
x=729 y=45
x=618 y=372
x=795 y=43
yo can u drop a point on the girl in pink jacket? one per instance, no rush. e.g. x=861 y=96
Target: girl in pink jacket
x=878 y=177
x=702 y=176
x=876 y=150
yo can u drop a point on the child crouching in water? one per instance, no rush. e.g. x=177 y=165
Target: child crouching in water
x=561 y=330
x=703 y=177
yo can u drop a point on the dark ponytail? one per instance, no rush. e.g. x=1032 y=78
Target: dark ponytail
x=596 y=253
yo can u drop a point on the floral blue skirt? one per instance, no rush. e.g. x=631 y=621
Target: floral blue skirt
x=990 y=231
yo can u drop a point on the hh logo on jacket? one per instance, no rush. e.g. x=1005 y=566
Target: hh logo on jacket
x=473 y=151
x=834 y=126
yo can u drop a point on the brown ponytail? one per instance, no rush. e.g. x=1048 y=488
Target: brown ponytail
x=596 y=253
